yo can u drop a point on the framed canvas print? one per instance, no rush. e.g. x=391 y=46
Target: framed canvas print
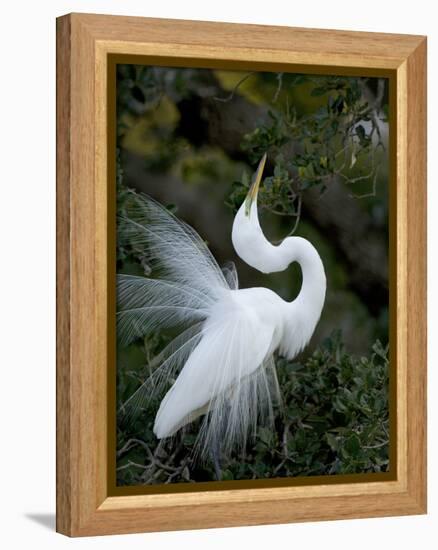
x=241 y=236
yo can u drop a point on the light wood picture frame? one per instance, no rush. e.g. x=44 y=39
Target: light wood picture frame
x=88 y=47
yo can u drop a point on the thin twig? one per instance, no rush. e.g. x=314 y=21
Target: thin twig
x=279 y=86
x=372 y=193
x=377 y=446
x=296 y=214
x=230 y=96
x=126 y=447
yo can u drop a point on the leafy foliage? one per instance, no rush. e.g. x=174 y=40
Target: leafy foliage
x=333 y=141
x=337 y=136
x=334 y=420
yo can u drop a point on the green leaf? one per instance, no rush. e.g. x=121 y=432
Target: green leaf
x=352 y=445
x=332 y=441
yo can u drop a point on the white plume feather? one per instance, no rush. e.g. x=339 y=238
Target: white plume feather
x=222 y=359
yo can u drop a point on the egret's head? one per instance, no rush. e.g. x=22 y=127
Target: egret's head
x=247 y=236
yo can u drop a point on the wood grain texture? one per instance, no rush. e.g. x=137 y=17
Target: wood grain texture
x=377 y=49
x=63 y=403
x=417 y=270
x=84 y=43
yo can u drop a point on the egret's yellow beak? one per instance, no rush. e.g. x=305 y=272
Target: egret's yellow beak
x=254 y=189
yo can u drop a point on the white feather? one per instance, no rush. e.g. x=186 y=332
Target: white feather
x=223 y=358
x=217 y=379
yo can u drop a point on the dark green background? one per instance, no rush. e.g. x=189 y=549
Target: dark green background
x=191 y=138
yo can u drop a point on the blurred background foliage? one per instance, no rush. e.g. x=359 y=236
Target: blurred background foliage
x=191 y=138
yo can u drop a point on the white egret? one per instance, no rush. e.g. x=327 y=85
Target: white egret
x=221 y=364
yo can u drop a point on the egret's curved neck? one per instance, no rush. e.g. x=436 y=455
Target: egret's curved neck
x=253 y=248
x=313 y=288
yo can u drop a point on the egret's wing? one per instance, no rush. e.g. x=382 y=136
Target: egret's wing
x=163 y=368
x=176 y=252
x=225 y=375
x=145 y=305
x=189 y=283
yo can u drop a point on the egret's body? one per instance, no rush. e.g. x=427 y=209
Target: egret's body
x=222 y=364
